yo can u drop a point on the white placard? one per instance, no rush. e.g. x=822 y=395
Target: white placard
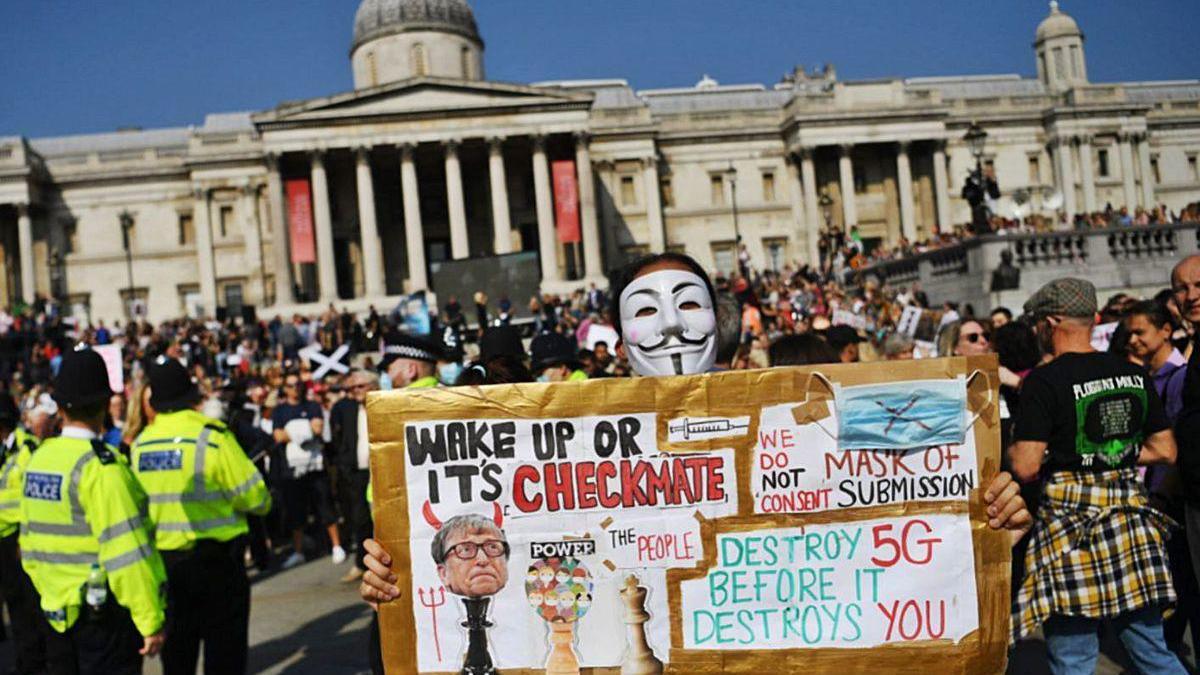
x=845 y=585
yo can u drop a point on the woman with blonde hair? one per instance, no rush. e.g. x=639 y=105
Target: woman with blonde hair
x=139 y=414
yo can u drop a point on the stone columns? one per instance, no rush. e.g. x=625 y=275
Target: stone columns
x=323 y=223
x=1085 y=169
x=251 y=236
x=460 y=246
x=279 y=231
x=908 y=212
x=25 y=251
x=812 y=212
x=547 y=237
x=592 y=265
x=1127 y=171
x=1066 y=176
x=501 y=224
x=941 y=190
x=1147 y=173
x=654 y=213
x=414 y=233
x=368 y=228
x=846 y=172
x=795 y=189
x=202 y=221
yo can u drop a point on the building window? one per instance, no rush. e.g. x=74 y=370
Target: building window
x=768 y=186
x=1060 y=66
x=1102 y=160
x=1074 y=61
x=372 y=69
x=226 y=220
x=716 y=194
x=465 y=55
x=187 y=230
x=419 y=66
x=668 y=193
x=860 y=181
x=1154 y=170
x=233 y=299
x=724 y=256
x=776 y=250
x=1192 y=170
x=1035 y=170
x=628 y=191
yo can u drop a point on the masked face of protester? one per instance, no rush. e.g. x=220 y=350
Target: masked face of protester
x=668 y=325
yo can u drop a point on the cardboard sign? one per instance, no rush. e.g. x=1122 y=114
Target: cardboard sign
x=703 y=523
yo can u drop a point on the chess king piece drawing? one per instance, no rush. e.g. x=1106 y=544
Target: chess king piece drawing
x=560 y=591
x=639 y=658
x=471 y=553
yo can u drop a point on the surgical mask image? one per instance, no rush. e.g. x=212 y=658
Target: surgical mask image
x=385 y=382
x=448 y=373
x=902 y=415
x=668 y=324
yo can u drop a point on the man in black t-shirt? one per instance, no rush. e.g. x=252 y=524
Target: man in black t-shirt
x=1085 y=421
x=297 y=426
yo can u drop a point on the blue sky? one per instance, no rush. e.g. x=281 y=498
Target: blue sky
x=78 y=66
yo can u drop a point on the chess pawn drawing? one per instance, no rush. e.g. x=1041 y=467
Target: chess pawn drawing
x=639 y=658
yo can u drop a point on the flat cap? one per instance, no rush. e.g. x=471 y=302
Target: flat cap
x=1065 y=297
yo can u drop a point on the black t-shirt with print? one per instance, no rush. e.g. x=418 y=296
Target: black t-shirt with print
x=1092 y=409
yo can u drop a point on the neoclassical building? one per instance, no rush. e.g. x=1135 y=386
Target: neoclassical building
x=352 y=197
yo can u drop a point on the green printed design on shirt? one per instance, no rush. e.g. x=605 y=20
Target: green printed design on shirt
x=1109 y=423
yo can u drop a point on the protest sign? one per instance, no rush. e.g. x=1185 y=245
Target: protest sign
x=113 y=365
x=709 y=523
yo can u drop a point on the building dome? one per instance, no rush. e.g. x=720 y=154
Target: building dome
x=379 y=18
x=1056 y=25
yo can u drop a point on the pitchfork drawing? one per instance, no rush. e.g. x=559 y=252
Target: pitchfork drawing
x=433 y=604
x=898 y=414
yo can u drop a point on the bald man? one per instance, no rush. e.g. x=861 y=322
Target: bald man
x=1185 y=290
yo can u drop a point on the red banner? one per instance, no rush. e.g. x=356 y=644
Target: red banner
x=566 y=200
x=300 y=220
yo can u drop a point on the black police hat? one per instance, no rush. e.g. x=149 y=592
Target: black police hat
x=82 y=380
x=401 y=345
x=501 y=341
x=552 y=349
x=171 y=388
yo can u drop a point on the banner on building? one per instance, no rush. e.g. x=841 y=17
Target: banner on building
x=712 y=523
x=300 y=220
x=566 y=201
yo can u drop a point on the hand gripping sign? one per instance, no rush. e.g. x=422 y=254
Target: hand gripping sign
x=697 y=523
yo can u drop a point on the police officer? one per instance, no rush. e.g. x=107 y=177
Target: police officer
x=24 y=614
x=83 y=515
x=409 y=361
x=556 y=358
x=201 y=486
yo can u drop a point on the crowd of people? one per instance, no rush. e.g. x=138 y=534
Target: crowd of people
x=843 y=250
x=290 y=392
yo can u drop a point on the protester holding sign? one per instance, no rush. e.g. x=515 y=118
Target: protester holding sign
x=568 y=465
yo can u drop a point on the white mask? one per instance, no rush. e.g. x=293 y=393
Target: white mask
x=668 y=324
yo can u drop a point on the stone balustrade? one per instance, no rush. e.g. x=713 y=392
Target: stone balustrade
x=1137 y=260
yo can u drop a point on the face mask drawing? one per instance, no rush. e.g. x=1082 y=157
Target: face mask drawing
x=668 y=324
x=901 y=415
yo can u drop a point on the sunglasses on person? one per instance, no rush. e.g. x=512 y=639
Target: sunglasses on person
x=467 y=550
x=974 y=337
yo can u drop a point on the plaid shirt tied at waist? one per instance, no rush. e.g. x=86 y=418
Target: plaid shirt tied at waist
x=1098 y=551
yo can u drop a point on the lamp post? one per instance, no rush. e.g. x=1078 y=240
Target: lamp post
x=126 y=219
x=731 y=175
x=978 y=187
x=976 y=139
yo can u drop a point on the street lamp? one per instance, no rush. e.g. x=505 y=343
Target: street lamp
x=126 y=219
x=826 y=203
x=731 y=175
x=976 y=139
